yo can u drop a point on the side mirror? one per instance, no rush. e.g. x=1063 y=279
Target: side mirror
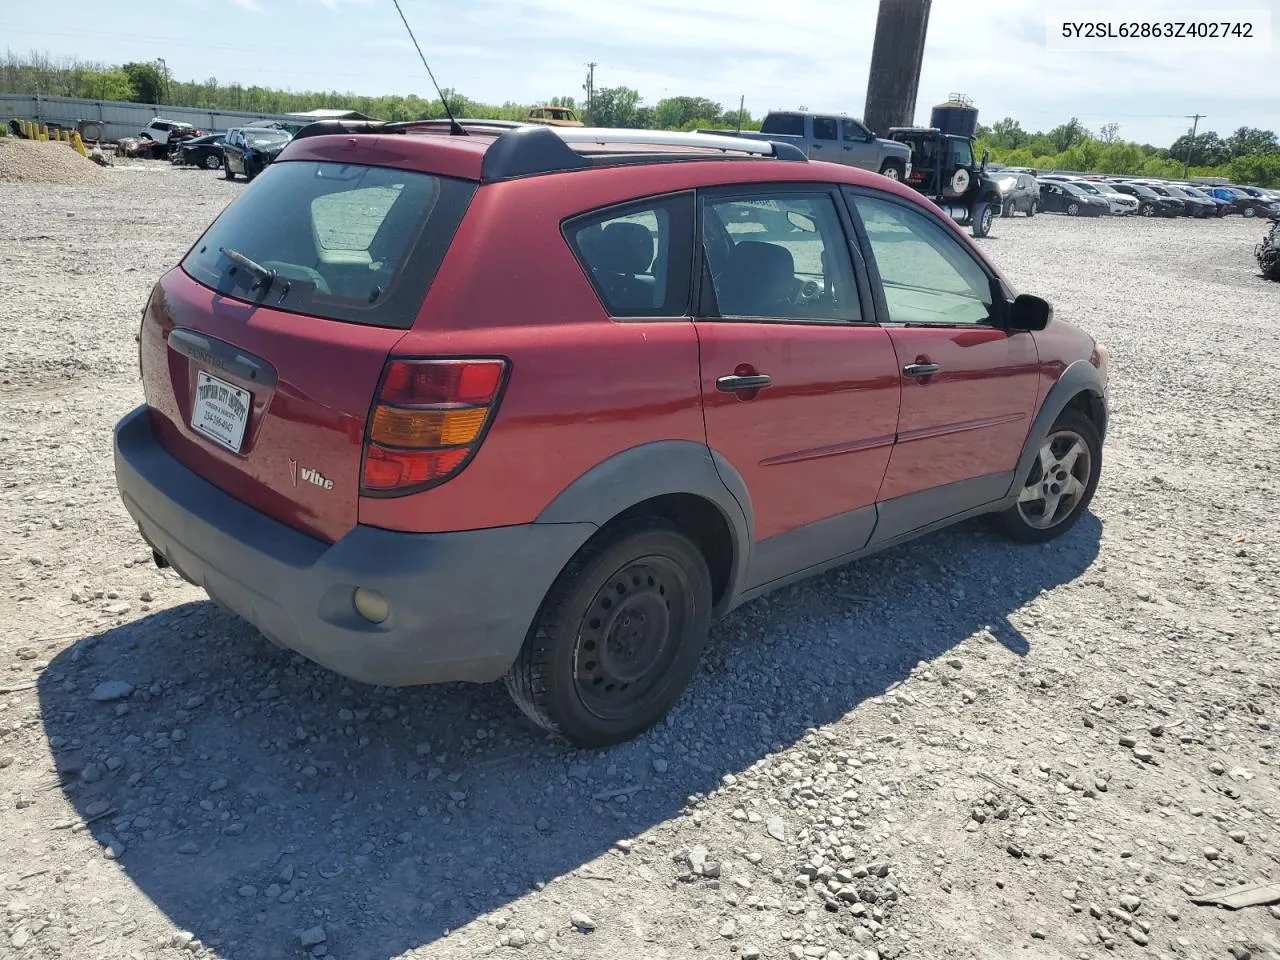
x=986 y=158
x=1029 y=312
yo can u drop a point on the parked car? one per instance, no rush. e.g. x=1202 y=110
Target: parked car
x=834 y=138
x=1201 y=206
x=1184 y=205
x=1240 y=202
x=248 y=150
x=1062 y=196
x=165 y=131
x=1120 y=204
x=203 y=151
x=1018 y=192
x=554 y=116
x=347 y=372
x=1150 y=203
x=1266 y=196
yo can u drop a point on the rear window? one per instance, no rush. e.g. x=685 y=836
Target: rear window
x=346 y=242
x=787 y=124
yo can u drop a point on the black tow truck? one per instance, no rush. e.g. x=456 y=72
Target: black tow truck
x=944 y=169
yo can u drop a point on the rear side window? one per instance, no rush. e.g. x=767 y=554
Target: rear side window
x=340 y=241
x=638 y=257
x=787 y=124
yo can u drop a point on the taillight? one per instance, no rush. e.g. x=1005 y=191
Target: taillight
x=429 y=420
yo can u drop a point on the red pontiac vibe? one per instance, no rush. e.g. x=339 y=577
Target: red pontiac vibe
x=514 y=402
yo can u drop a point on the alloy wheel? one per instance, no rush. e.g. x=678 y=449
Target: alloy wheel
x=1057 y=482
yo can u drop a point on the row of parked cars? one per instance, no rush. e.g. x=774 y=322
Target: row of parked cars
x=241 y=150
x=1030 y=192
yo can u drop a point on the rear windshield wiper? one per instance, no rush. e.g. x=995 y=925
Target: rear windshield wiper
x=265 y=277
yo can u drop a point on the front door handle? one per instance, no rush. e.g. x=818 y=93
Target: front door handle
x=920 y=369
x=751 y=382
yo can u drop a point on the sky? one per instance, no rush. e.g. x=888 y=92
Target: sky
x=812 y=53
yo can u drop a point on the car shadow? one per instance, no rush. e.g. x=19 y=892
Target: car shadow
x=250 y=794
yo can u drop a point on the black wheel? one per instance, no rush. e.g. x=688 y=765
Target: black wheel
x=982 y=217
x=894 y=170
x=212 y=161
x=618 y=636
x=226 y=171
x=1009 y=208
x=1060 y=485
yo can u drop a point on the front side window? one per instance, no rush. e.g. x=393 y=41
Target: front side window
x=927 y=275
x=779 y=257
x=964 y=153
x=638 y=257
x=855 y=132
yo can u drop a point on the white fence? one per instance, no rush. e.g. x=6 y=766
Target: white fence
x=120 y=119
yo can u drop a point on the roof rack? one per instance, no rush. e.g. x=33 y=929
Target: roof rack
x=529 y=149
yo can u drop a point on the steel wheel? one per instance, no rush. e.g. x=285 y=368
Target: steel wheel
x=627 y=639
x=1057 y=482
x=618 y=636
x=892 y=172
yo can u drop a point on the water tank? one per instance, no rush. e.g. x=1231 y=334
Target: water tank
x=958 y=117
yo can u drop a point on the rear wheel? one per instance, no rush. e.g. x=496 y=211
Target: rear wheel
x=618 y=637
x=1009 y=209
x=893 y=169
x=1061 y=483
x=982 y=217
x=226 y=172
x=212 y=161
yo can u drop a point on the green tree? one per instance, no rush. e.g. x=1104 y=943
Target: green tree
x=147 y=82
x=1007 y=134
x=677 y=113
x=1206 y=150
x=1247 y=140
x=1262 y=169
x=1109 y=132
x=1068 y=135
x=616 y=107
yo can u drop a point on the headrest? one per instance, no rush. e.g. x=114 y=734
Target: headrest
x=624 y=247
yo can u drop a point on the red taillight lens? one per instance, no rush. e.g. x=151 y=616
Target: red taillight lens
x=429 y=419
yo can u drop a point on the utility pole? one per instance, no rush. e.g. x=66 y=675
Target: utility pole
x=742 y=103
x=897 y=54
x=590 y=87
x=1192 y=142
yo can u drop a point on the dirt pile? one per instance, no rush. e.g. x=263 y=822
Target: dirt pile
x=31 y=161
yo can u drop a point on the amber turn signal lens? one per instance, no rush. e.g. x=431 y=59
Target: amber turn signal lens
x=395 y=427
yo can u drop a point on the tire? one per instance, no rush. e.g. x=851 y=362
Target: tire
x=576 y=676
x=894 y=170
x=1249 y=213
x=982 y=217
x=1034 y=208
x=1009 y=209
x=1025 y=521
x=1073 y=209
x=1148 y=210
x=226 y=171
x=212 y=161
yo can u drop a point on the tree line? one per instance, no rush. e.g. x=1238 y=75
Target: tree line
x=1248 y=155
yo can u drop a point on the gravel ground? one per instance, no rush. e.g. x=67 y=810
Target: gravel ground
x=960 y=748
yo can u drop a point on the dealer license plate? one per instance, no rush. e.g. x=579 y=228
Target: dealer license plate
x=221 y=411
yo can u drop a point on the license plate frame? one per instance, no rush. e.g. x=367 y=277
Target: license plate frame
x=221 y=411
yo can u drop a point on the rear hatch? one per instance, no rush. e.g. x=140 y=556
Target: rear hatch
x=262 y=353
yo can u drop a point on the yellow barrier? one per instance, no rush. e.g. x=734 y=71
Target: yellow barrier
x=78 y=144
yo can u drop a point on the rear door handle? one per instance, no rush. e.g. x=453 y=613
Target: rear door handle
x=920 y=369
x=752 y=382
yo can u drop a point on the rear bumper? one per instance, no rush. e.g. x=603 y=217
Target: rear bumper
x=461 y=603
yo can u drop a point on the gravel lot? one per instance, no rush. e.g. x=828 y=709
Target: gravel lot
x=960 y=748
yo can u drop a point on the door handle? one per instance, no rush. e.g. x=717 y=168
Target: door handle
x=920 y=369
x=751 y=382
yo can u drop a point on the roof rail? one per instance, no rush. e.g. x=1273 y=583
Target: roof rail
x=533 y=149
x=478 y=124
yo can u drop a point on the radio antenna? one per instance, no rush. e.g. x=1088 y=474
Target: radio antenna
x=455 y=128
